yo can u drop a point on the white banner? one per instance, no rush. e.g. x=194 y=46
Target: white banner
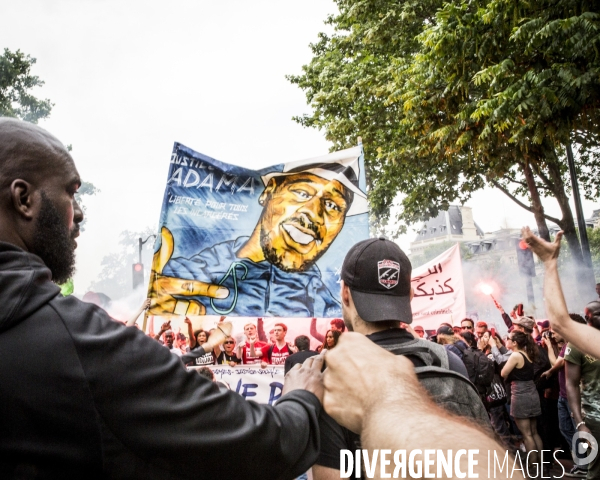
x=439 y=291
x=263 y=385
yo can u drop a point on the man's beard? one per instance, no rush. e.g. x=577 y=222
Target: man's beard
x=53 y=242
x=277 y=260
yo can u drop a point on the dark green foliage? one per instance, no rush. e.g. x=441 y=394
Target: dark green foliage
x=450 y=97
x=16 y=82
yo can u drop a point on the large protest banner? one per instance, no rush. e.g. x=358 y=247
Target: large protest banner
x=439 y=291
x=256 y=243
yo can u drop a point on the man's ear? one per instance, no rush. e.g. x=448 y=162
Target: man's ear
x=412 y=293
x=267 y=192
x=22 y=197
x=345 y=293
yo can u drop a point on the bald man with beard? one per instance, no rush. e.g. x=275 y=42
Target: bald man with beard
x=92 y=398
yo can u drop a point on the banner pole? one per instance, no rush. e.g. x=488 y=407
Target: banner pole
x=145 y=321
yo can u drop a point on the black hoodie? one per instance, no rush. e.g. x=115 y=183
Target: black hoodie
x=83 y=396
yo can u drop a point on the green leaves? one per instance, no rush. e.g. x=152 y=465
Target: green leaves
x=15 y=83
x=452 y=96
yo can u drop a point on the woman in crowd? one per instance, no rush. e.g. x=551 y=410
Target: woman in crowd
x=228 y=356
x=199 y=338
x=525 y=402
x=331 y=340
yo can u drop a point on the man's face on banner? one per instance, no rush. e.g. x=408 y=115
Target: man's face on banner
x=303 y=213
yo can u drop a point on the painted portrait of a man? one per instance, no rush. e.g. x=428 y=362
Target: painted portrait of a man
x=273 y=270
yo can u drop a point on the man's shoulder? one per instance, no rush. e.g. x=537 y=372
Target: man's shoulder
x=299 y=357
x=572 y=354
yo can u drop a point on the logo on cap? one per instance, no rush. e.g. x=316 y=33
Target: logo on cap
x=389 y=272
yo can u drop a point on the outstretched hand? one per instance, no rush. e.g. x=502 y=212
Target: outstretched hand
x=162 y=296
x=306 y=376
x=351 y=390
x=546 y=251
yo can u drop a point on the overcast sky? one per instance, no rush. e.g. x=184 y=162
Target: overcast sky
x=128 y=78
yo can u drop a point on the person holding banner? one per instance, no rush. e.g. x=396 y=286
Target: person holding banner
x=99 y=399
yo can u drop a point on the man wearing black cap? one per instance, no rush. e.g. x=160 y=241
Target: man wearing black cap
x=376 y=294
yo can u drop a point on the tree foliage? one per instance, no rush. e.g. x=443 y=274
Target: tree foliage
x=452 y=97
x=16 y=82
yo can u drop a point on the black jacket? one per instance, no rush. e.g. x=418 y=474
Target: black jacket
x=83 y=396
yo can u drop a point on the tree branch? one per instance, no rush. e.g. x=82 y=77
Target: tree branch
x=512 y=180
x=545 y=179
x=521 y=204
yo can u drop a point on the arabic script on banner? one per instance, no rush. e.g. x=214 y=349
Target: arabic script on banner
x=439 y=292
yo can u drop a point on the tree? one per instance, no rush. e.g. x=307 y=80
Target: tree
x=16 y=82
x=489 y=94
x=508 y=86
x=115 y=278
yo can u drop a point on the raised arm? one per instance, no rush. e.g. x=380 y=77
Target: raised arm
x=260 y=330
x=191 y=335
x=313 y=331
x=133 y=320
x=362 y=402
x=163 y=328
x=585 y=338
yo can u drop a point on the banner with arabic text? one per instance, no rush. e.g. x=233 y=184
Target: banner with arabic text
x=256 y=243
x=439 y=291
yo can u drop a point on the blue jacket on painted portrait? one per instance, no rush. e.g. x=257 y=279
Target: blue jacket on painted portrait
x=255 y=288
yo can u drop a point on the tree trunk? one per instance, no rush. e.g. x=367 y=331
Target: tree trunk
x=536 y=203
x=567 y=221
x=584 y=275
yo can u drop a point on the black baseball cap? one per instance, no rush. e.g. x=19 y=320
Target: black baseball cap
x=444 y=330
x=378 y=274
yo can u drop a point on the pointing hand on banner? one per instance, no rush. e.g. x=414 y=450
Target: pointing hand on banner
x=164 y=288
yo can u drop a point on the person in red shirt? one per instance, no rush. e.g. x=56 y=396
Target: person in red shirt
x=277 y=352
x=252 y=338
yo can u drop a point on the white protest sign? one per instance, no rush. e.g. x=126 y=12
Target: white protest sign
x=439 y=291
x=263 y=385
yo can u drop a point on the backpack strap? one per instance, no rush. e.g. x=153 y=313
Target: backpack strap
x=437 y=372
x=270 y=352
x=415 y=350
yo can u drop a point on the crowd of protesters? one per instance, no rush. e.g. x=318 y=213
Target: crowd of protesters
x=535 y=386
x=256 y=349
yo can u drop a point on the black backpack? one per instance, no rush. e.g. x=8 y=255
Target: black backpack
x=479 y=367
x=447 y=388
